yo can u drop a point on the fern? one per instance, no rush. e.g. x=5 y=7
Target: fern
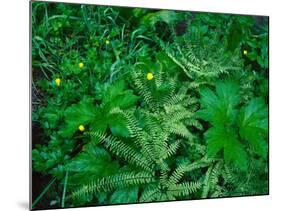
x=109 y=183
x=174 y=108
x=187 y=167
x=202 y=61
x=149 y=153
x=184 y=189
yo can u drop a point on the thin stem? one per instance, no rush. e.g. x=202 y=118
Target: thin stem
x=43 y=192
x=64 y=190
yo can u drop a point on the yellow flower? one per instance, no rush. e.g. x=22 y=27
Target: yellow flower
x=149 y=76
x=81 y=65
x=58 y=81
x=245 y=52
x=107 y=42
x=81 y=128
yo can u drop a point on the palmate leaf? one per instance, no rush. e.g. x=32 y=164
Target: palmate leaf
x=232 y=131
x=253 y=125
x=99 y=117
x=219 y=108
x=118 y=125
x=226 y=139
x=93 y=160
x=116 y=95
x=93 y=163
x=77 y=114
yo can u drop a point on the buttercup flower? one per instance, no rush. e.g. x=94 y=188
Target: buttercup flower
x=149 y=76
x=58 y=81
x=81 y=65
x=245 y=52
x=81 y=128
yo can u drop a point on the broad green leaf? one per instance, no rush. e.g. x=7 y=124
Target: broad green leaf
x=215 y=140
x=77 y=114
x=220 y=138
x=116 y=95
x=125 y=195
x=92 y=163
x=124 y=100
x=118 y=125
x=112 y=91
x=253 y=125
x=235 y=152
x=165 y=15
x=219 y=107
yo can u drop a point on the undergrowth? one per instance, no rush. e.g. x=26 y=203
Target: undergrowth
x=137 y=105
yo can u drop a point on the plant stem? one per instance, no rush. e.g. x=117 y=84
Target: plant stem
x=43 y=192
x=64 y=190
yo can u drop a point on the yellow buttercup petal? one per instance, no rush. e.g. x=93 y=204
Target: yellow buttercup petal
x=58 y=81
x=81 y=65
x=81 y=128
x=149 y=76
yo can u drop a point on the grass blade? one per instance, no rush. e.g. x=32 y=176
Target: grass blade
x=43 y=192
x=64 y=190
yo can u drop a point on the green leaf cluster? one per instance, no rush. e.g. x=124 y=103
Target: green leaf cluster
x=197 y=127
x=234 y=128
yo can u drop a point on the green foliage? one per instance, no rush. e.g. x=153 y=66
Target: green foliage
x=250 y=122
x=140 y=105
x=200 y=57
x=77 y=114
x=253 y=124
x=99 y=117
x=125 y=195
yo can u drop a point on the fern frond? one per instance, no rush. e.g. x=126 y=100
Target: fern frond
x=194 y=123
x=143 y=88
x=150 y=194
x=181 y=130
x=184 y=189
x=207 y=183
x=123 y=150
x=228 y=176
x=109 y=183
x=186 y=167
x=177 y=113
x=172 y=149
x=200 y=61
x=132 y=123
x=160 y=76
x=216 y=172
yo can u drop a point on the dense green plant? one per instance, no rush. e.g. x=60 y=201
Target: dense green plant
x=140 y=105
x=201 y=59
x=230 y=126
